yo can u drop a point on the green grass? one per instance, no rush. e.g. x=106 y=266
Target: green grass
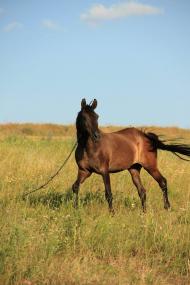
x=44 y=240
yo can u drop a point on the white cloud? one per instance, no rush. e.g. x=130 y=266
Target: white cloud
x=12 y=26
x=51 y=25
x=99 y=12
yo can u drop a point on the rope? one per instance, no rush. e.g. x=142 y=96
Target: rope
x=54 y=175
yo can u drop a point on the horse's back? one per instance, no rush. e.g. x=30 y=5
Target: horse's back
x=130 y=131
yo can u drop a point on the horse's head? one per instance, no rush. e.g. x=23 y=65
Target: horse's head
x=87 y=120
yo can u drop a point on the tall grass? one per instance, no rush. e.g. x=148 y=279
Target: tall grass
x=44 y=240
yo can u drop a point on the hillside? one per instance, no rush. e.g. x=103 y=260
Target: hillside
x=54 y=130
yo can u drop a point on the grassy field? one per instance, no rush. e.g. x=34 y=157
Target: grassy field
x=43 y=240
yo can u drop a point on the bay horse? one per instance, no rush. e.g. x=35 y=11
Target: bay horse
x=127 y=149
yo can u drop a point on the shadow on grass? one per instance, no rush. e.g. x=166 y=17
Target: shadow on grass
x=55 y=200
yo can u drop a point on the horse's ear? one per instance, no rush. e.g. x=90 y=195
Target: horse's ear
x=94 y=104
x=83 y=103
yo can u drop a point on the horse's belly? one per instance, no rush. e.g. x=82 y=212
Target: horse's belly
x=121 y=162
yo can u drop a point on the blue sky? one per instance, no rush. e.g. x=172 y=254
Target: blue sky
x=133 y=56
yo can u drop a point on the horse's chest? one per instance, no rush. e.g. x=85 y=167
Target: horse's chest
x=94 y=163
x=90 y=161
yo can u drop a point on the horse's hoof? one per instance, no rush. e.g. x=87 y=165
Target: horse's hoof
x=112 y=212
x=75 y=205
x=167 y=207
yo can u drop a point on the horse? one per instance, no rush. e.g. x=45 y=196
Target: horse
x=127 y=149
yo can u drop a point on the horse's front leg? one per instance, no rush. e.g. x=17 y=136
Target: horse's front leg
x=82 y=175
x=108 y=193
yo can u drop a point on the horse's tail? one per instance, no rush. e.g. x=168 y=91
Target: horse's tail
x=175 y=148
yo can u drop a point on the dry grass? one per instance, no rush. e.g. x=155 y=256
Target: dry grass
x=43 y=240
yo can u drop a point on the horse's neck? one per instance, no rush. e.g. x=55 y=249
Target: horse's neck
x=82 y=138
x=87 y=143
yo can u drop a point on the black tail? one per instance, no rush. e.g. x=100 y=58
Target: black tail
x=175 y=148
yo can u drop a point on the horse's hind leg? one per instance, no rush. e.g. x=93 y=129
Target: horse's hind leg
x=135 y=174
x=155 y=173
x=82 y=175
